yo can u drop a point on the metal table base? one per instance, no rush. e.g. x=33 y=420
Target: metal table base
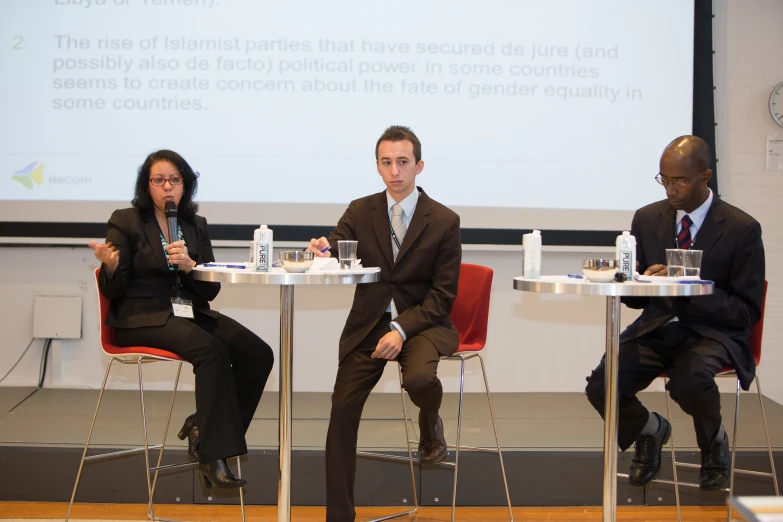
x=613 y=293
x=287 y=282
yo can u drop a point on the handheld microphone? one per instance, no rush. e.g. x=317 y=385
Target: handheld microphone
x=171 y=219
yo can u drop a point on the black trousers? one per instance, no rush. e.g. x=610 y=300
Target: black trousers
x=691 y=362
x=356 y=377
x=231 y=365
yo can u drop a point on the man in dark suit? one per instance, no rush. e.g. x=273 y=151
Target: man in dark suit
x=416 y=243
x=691 y=338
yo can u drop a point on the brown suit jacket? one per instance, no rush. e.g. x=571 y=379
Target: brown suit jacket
x=423 y=281
x=142 y=286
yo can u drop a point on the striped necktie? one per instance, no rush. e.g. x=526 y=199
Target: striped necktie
x=398 y=227
x=684 y=237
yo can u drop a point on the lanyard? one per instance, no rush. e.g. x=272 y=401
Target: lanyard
x=391 y=229
x=394 y=236
x=178 y=285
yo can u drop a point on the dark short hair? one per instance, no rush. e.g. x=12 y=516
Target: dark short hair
x=400 y=133
x=143 y=202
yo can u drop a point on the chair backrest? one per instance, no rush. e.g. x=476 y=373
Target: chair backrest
x=108 y=343
x=470 y=313
x=758 y=329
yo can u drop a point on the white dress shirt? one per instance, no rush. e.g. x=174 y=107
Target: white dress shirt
x=697 y=216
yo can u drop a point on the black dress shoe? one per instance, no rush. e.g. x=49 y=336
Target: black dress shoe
x=432 y=446
x=218 y=474
x=714 y=472
x=646 y=462
x=190 y=430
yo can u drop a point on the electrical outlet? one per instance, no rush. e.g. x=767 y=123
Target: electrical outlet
x=57 y=317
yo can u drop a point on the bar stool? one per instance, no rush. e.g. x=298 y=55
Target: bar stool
x=728 y=372
x=137 y=355
x=470 y=315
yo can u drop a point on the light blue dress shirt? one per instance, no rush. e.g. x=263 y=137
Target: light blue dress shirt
x=697 y=217
x=408 y=208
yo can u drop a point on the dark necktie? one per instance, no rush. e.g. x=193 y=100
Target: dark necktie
x=684 y=237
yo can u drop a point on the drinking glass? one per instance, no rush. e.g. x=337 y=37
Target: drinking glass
x=346 y=251
x=675 y=262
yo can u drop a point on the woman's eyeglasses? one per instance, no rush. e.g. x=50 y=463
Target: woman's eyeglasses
x=160 y=181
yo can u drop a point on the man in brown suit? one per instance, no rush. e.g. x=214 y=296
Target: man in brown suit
x=416 y=243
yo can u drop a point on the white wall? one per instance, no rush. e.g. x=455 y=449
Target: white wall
x=536 y=343
x=748 y=64
x=530 y=335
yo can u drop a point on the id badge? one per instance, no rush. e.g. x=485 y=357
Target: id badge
x=182 y=307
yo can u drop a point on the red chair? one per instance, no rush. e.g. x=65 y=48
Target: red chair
x=470 y=314
x=755 y=348
x=137 y=355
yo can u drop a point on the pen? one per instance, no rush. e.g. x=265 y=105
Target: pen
x=696 y=282
x=576 y=276
x=221 y=265
x=325 y=250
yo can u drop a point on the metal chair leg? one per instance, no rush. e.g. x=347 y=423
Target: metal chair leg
x=734 y=447
x=674 y=461
x=497 y=439
x=151 y=483
x=87 y=444
x=163 y=440
x=146 y=443
x=406 y=419
x=241 y=490
x=766 y=433
x=408 y=422
x=458 y=447
x=459 y=432
x=733 y=471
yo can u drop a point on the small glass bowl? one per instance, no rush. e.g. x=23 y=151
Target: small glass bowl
x=296 y=261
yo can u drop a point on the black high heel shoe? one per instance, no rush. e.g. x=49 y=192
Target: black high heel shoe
x=218 y=474
x=190 y=430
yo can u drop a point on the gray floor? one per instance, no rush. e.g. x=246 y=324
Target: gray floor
x=11 y=397
x=526 y=421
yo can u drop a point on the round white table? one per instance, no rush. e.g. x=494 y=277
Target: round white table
x=287 y=282
x=613 y=292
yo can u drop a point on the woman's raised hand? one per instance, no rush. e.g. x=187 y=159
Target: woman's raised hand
x=106 y=254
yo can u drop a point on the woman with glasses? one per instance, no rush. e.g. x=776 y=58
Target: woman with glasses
x=144 y=272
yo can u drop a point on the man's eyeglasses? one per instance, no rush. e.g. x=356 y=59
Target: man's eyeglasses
x=678 y=182
x=160 y=181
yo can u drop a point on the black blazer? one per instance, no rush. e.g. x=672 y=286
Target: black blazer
x=423 y=280
x=733 y=258
x=142 y=286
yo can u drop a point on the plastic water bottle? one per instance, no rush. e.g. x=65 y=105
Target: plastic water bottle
x=262 y=249
x=626 y=254
x=531 y=255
